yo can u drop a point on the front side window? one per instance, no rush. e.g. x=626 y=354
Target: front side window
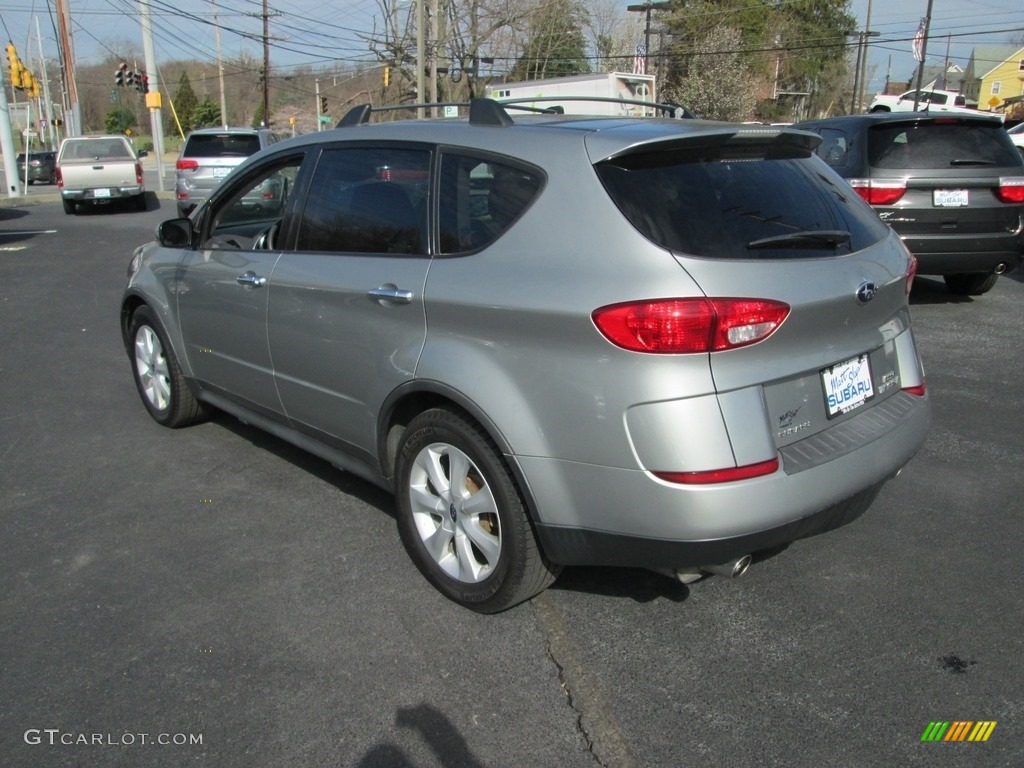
x=250 y=213
x=740 y=202
x=480 y=198
x=367 y=200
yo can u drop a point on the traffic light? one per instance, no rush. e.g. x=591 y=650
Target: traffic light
x=387 y=75
x=120 y=74
x=17 y=68
x=143 y=83
x=323 y=105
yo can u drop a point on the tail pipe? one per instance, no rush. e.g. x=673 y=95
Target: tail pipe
x=733 y=568
x=1000 y=268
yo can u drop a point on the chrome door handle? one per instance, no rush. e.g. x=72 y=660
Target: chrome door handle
x=251 y=279
x=390 y=293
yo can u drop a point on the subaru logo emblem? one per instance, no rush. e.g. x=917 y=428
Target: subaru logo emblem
x=866 y=292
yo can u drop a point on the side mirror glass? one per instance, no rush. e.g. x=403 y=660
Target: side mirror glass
x=175 y=233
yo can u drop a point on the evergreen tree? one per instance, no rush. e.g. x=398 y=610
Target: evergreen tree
x=556 y=45
x=206 y=115
x=185 y=103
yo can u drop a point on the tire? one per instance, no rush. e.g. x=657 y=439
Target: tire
x=461 y=517
x=971 y=284
x=70 y=207
x=140 y=203
x=158 y=376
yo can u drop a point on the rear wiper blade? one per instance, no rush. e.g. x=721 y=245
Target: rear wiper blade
x=971 y=162
x=832 y=237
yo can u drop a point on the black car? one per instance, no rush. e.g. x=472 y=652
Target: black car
x=42 y=166
x=952 y=186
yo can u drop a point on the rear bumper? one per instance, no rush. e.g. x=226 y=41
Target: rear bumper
x=947 y=255
x=90 y=196
x=606 y=516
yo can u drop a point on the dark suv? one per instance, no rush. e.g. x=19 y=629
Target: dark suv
x=42 y=167
x=952 y=186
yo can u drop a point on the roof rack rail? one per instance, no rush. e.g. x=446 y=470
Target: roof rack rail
x=481 y=112
x=665 y=109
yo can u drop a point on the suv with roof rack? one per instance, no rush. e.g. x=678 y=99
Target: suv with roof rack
x=209 y=155
x=557 y=339
x=952 y=186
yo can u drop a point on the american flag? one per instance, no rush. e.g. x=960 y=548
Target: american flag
x=640 y=60
x=918 y=45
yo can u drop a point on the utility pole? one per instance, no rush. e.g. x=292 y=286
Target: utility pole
x=47 y=110
x=924 y=55
x=420 y=80
x=266 y=64
x=153 y=98
x=864 y=61
x=220 y=67
x=73 y=113
x=433 y=58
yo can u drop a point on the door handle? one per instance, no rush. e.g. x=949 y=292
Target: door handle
x=251 y=279
x=390 y=293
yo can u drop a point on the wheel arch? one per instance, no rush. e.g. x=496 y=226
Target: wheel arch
x=415 y=397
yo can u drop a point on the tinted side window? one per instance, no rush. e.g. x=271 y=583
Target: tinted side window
x=480 y=199
x=367 y=200
x=716 y=202
x=834 y=146
x=250 y=216
x=939 y=145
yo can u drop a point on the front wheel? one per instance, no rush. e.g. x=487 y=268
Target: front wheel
x=971 y=284
x=157 y=374
x=461 y=517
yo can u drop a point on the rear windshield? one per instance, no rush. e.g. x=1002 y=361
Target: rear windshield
x=222 y=145
x=940 y=144
x=740 y=202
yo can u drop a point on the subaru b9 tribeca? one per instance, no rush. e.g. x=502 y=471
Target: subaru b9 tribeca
x=557 y=339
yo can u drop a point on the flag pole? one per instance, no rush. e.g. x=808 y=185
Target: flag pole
x=924 y=55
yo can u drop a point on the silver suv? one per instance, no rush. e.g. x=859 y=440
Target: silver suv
x=208 y=156
x=557 y=339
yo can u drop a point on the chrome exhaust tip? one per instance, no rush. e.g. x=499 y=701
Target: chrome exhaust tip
x=1000 y=268
x=733 y=568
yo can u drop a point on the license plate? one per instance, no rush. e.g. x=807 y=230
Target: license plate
x=847 y=385
x=219 y=173
x=949 y=198
x=101 y=193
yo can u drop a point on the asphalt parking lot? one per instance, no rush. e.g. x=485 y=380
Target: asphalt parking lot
x=214 y=597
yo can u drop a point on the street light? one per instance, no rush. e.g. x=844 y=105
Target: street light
x=647 y=8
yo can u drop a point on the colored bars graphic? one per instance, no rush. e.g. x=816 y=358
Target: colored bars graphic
x=958 y=730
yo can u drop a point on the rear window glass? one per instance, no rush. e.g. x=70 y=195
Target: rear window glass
x=222 y=145
x=940 y=145
x=740 y=203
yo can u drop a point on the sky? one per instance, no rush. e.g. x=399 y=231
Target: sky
x=323 y=32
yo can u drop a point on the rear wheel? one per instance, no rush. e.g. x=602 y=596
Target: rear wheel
x=461 y=517
x=158 y=375
x=69 y=207
x=971 y=284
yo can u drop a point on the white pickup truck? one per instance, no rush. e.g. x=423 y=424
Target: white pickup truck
x=931 y=101
x=97 y=170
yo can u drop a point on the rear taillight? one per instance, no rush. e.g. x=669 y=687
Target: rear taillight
x=1011 y=189
x=138 y=173
x=60 y=178
x=679 y=326
x=911 y=274
x=726 y=475
x=918 y=390
x=879 y=192
x=187 y=165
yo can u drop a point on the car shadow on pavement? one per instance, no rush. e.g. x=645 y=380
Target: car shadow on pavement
x=345 y=482
x=929 y=290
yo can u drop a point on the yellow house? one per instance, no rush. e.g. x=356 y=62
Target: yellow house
x=993 y=75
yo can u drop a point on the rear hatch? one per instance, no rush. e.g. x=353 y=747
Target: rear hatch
x=943 y=176
x=751 y=213
x=208 y=157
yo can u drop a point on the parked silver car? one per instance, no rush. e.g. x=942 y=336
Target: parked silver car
x=558 y=340
x=209 y=155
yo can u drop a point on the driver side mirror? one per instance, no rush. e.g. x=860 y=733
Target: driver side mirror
x=175 y=233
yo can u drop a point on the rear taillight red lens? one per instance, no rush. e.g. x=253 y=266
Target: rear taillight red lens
x=911 y=274
x=918 y=390
x=680 y=326
x=60 y=178
x=879 y=192
x=187 y=165
x=1011 y=189
x=138 y=173
x=720 y=475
